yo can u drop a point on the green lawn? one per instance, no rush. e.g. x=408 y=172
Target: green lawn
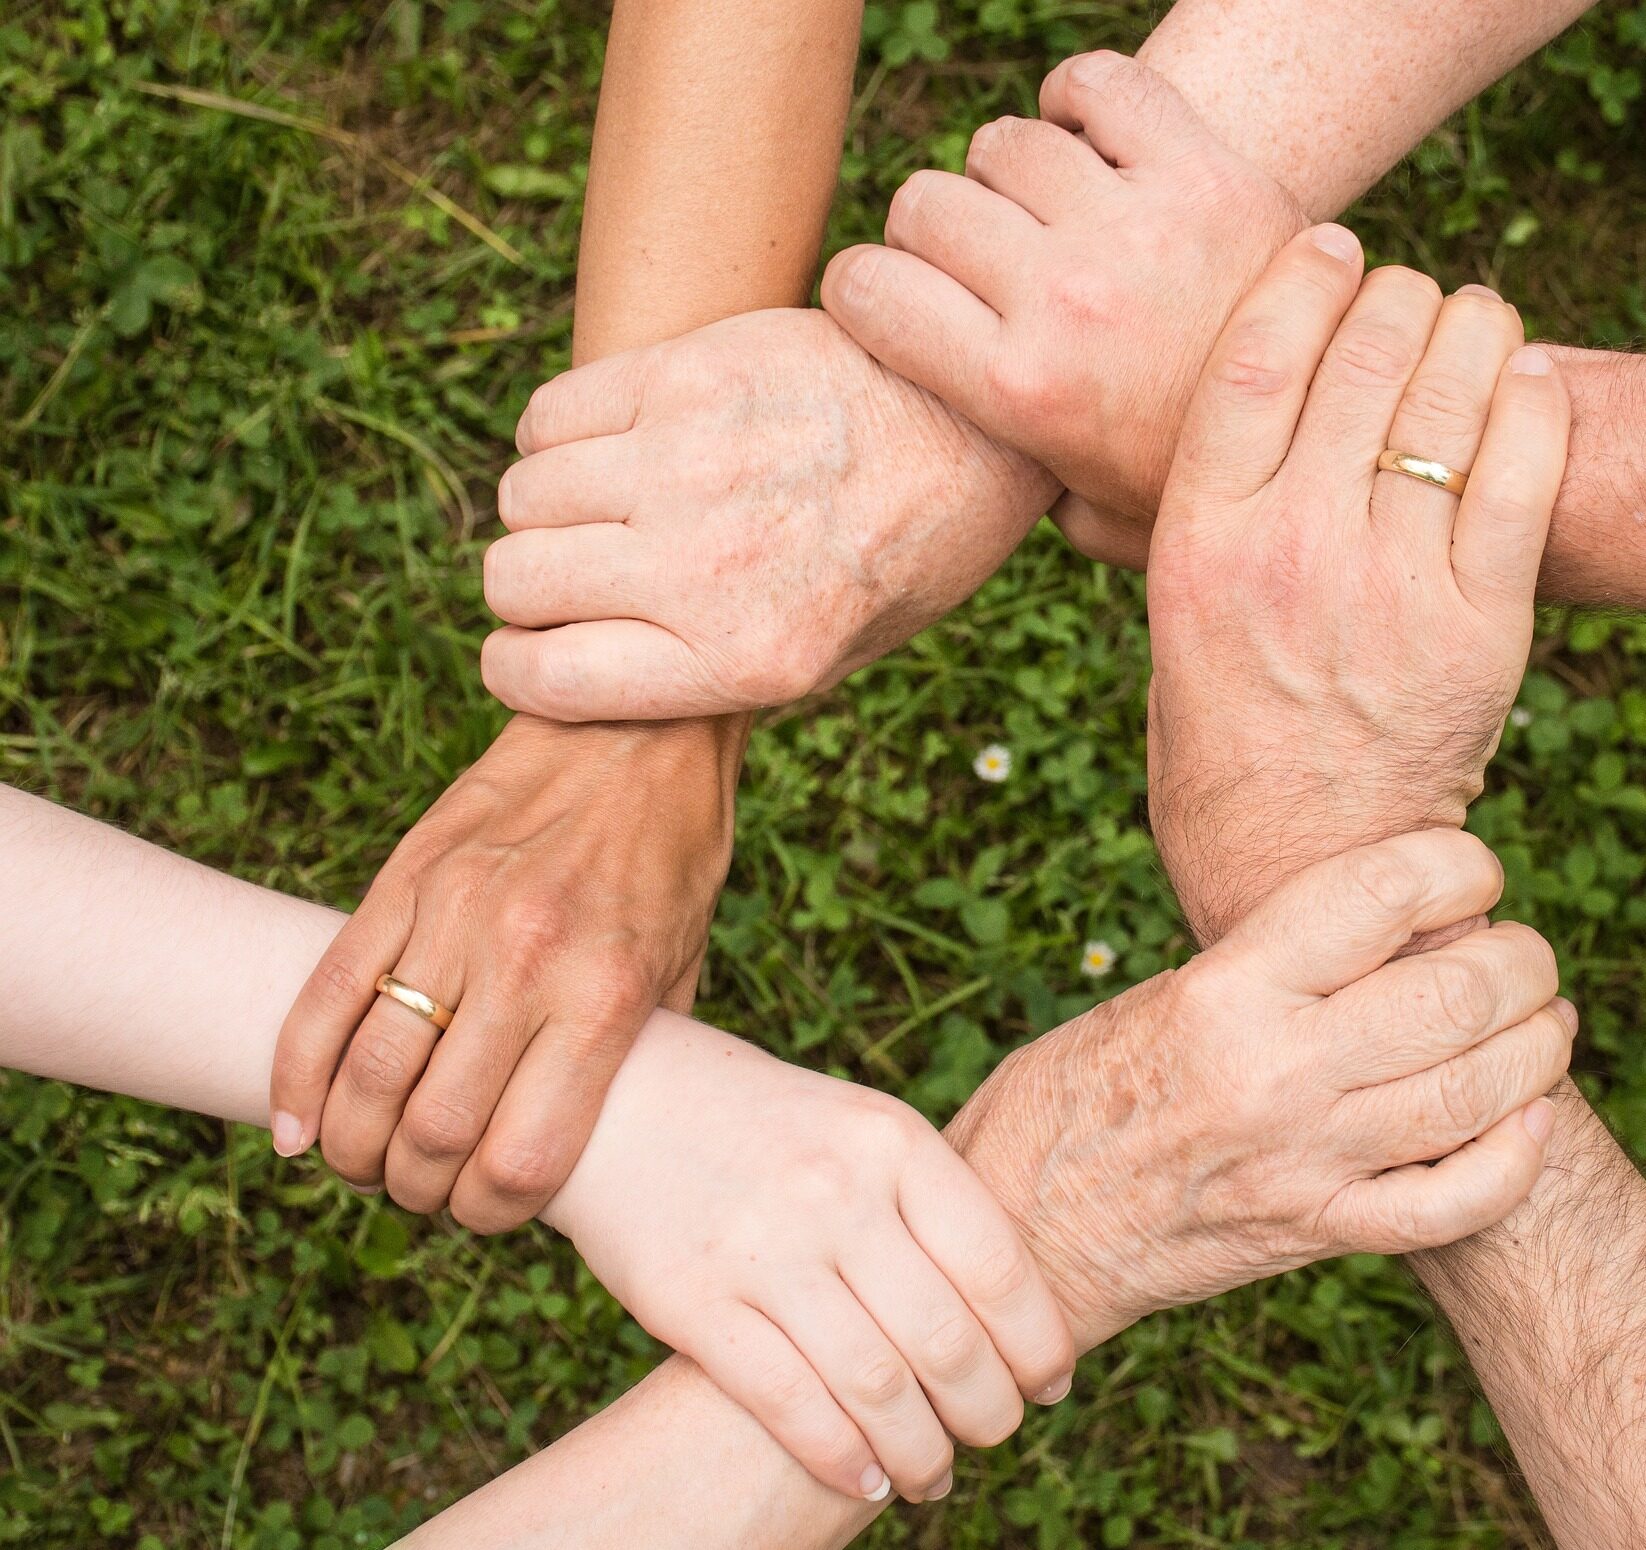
x=256 y=386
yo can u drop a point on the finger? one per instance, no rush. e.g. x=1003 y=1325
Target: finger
x=1419 y=1207
x=1244 y=412
x=960 y=227
x=1422 y=1117
x=1037 y=166
x=1503 y=519
x=870 y=1380
x=329 y=1008
x=1341 y=918
x=1442 y=417
x=682 y=995
x=600 y=399
x=1417 y=1012
x=449 y=1110
x=548 y=576
x=543 y=1118
x=613 y=670
x=384 y=1061
x=969 y=1237
x=757 y=1365
x=955 y=1362
x=1130 y=115
x=1097 y=535
x=1347 y=420
x=916 y=321
x=579 y=481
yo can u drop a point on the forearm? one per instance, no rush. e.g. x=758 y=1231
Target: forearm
x=139 y=972
x=715 y=155
x=1549 y=1307
x=1326 y=95
x=1597 y=543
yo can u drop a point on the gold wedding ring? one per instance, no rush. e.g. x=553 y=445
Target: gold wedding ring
x=414 y=1001
x=1425 y=468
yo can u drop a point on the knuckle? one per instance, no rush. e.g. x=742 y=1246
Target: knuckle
x=379 y=1067
x=1464 y=993
x=441 y=1129
x=1458 y=1096
x=1372 y=353
x=521 y=1169
x=1257 y=363
x=785 y=1389
x=340 y=985
x=910 y=196
x=528 y=927
x=1000 y=1272
x=1386 y=882
x=954 y=1344
x=880 y=1381
x=1084 y=298
x=1439 y=396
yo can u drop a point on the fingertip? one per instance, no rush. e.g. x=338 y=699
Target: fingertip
x=1531 y=360
x=291 y=1136
x=1567 y=1013
x=1539 y=1119
x=1336 y=242
x=848 y=281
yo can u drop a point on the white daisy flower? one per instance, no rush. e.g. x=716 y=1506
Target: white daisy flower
x=1097 y=959
x=1520 y=717
x=994 y=764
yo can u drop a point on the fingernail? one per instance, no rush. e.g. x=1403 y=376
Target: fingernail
x=368 y=1190
x=1539 y=1120
x=1337 y=241
x=287 y=1132
x=1567 y=1013
x=942 y=1488
x=1053 y=1392
x=1529 y=361
x=875 y=1485
x=1478 y=290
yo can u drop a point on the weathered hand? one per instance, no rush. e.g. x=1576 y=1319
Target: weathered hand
x=557 y=893
x=1336 y=649
x=1064 y=293
x=1276 y=1100
x=820 y=1252
x=735 y=519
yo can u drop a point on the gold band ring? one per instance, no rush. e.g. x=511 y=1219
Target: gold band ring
x=414 y=1001
x=1424 y=468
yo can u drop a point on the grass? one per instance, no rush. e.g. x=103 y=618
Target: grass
x=258 y=374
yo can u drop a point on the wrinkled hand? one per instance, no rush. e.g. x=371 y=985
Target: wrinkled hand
x=557 y=893
x=735 y=519
x=1276 y=1101
x=1063 y=294
x=1336 y=649
x=821 y=1252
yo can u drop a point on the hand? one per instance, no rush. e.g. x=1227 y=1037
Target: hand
x=735 y=519
x=820 y=1252
x=552 y=897
x=1276 y=1101
x=1064 y=293
x=1336 y=649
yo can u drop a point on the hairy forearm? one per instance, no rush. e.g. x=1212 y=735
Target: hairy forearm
x=1597 y=543
x=1551 y=1308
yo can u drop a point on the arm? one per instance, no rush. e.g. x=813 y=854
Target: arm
x=1356 y=719
x=708 y=192
x=192 y=967
x=794 y=511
